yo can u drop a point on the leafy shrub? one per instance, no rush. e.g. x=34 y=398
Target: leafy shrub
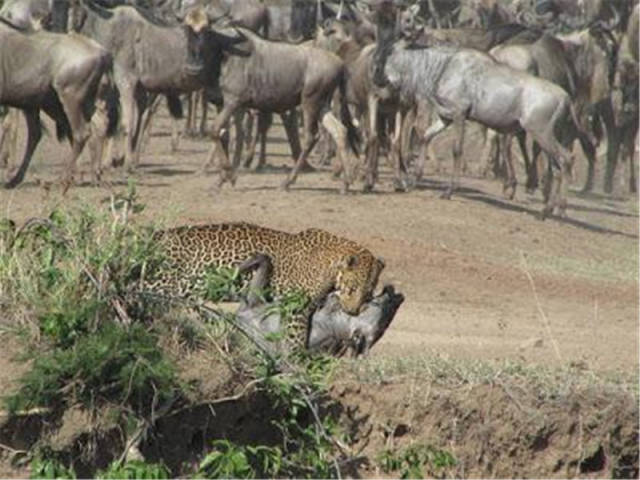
x=116 y=364
x=134 y=470
x=411 y=460
x=46 y=464
x=232 y=461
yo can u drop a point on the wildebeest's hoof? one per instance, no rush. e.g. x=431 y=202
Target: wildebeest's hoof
x=284 y=186
x=446 y=195
x=117 y=162
x=545 y=213
x=367 y=188
x=401 y=186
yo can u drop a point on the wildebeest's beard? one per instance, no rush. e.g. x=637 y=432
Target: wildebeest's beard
x=196 y=44
x=59 y=16
x=303 y=19
x=386 y=25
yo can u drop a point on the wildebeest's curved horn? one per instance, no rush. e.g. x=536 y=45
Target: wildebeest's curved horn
x=614 y=22
x=229 y=38
x=530 y=18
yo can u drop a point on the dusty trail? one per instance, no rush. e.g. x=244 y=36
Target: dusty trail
x=463 y=264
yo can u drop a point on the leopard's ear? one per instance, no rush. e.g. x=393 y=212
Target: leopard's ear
x=349 y=261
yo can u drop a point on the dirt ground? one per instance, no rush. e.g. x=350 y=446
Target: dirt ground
x=484 y=280
x=483 y=277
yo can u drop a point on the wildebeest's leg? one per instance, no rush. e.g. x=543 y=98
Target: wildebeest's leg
x=204 y=105
x=9 y=137
x=264 y=123
x=131 y=99
x=589 y=150
x=457 y=150
x=34 y=134
x=290 y=124
x=153 y=101
x=226 y=169
x=403 y=120
x=510 y=182
x=433 y=131
x=556 y=188
x=490 y=151
x=260 y=281
x=72 y=102
x=613 y=147
x=310 y=112
x=339 y=134
x=189 y=129
x=373 y=144
x=251 y=139
x=238 y=123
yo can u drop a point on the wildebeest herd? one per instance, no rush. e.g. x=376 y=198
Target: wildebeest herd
x=372 y=75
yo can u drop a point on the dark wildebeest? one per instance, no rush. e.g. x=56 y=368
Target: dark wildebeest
x=275 y=77
x=582 y=63
x=250 y=14
x=362 y=94
x=465 y=84
x=625 y=102
x=61 y=75
x=132 y=35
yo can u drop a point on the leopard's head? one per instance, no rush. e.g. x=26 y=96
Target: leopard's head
x=356 y=279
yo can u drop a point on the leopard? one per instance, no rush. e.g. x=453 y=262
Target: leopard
x=314 y=262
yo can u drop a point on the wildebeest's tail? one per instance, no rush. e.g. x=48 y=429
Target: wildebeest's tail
x=353 y=136
x=579 y=127
x=110 y=95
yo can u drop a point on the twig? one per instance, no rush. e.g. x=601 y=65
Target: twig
x=12 y=450
x=543 y=316
x=237 y=396
x=133 y=440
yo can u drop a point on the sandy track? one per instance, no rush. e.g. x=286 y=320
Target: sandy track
x=463 y=264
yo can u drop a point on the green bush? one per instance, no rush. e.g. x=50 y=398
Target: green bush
x=115 y=364
x=134 y=470
x=46 y=464
x=410 y=461
x=72 y=283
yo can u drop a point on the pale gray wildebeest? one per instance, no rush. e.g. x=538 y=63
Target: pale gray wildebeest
x=27 y=14
x=414 y=31
x=330 y=328
x=276 y=77
x=184 y=63
x=62 y=75
x=463 y=84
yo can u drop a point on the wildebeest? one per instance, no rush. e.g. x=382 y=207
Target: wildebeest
x=277 y=76
x=363 y=95
x=27 y=14
x=132 y=35
x=330 y=328
x=465 y=84
x=625 y=103
x=61 y=75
